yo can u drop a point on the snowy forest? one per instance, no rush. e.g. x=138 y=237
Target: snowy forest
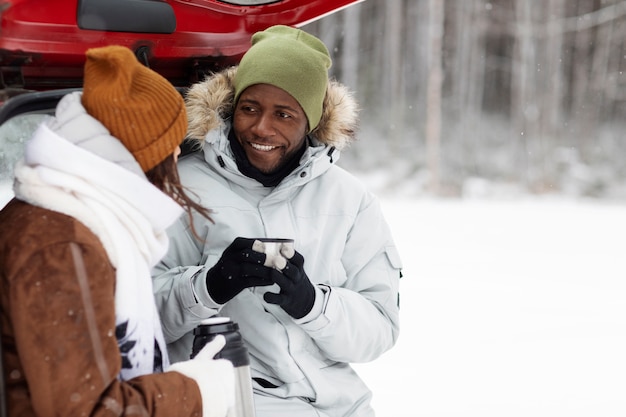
x=485 y=97
x=480 y=98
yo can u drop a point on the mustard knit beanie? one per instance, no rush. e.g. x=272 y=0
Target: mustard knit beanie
x=292 y=60
x=138 y=106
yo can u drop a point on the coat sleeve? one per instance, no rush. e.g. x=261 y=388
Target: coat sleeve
x=360 y=320
x=179 y=284
x=64 y=329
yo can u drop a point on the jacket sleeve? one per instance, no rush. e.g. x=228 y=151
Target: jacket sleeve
x=180 y=291
x=360 y=320
x=64 y=328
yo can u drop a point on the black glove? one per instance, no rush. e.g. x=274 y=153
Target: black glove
x=239 y=267
x=297 y=294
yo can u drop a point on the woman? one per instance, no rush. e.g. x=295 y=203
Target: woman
x=94 y=194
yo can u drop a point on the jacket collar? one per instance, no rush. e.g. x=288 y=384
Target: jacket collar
x=317 y=158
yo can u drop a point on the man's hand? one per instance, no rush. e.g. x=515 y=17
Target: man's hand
x=239 y=267
x=297 y=294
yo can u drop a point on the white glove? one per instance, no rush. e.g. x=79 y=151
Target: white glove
x=215 y=378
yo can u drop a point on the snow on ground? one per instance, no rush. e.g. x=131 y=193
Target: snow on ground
x=508 y=308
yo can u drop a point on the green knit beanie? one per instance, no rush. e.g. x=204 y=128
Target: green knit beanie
x=292 y=60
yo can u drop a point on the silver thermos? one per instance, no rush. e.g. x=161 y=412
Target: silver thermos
x=236 y=352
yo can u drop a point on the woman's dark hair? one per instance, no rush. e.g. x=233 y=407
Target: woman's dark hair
x=165 y=177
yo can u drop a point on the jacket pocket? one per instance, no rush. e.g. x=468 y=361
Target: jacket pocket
x=393 y=256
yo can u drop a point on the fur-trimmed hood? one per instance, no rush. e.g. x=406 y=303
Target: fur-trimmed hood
x=209 y=102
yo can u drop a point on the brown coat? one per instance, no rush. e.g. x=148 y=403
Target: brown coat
x=60 y=352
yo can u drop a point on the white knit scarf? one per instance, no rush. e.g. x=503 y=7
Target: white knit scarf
x=127 y=213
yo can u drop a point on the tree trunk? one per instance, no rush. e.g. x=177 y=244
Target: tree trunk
x=580 y=77
x=553 y=111
x=351 y=45
x=468 y=80
x=394 y=91
x=523 y=110
x=433 y=95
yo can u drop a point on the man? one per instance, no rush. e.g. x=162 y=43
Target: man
x=270 y=132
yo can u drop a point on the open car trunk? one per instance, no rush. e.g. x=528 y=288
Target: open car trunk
x=43 y=42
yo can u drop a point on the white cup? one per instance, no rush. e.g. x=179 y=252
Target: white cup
x=276 y=251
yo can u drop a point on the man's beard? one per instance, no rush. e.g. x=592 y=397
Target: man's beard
x=269 y=177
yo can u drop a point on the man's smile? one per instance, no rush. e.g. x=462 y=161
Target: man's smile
x=261 y=147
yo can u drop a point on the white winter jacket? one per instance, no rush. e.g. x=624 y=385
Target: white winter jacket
x=348 y=250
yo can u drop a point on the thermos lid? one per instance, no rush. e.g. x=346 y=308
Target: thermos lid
x=234 y=350
x=215 y=320
x=216 y=325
